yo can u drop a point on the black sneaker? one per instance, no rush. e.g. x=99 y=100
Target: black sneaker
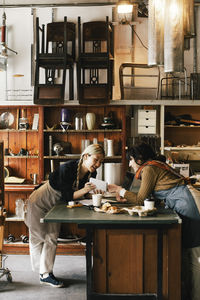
x=51 y=280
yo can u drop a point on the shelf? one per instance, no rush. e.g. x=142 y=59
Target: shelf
x=77 y=156
x=125 y=102
x=17 y=130
x=165 y=102
x=14 y=219
x=182 y=126
x=64 y=249
x=21 y=156
x=181 y=148
x=19 y=187
x=82 y=131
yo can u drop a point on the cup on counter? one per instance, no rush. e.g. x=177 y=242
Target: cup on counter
x=149 y=204
x=96 y=200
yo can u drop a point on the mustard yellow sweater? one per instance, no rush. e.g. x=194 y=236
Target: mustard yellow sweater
x=153 y=178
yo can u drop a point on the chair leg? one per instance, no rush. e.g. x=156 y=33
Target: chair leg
x=78 y=71
x=36 y=82
x=71 y=83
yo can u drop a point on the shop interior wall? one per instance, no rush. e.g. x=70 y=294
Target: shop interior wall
x=128 y=48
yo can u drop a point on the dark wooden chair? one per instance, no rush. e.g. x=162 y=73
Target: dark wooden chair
x=55 y=56
x=95 y=62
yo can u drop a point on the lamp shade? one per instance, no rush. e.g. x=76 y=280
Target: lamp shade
x=188 y=18
x=156 y=33
x=169 y=22
x=174 y=36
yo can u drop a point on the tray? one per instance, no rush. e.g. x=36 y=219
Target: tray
x=140 y=211
x=136 y=210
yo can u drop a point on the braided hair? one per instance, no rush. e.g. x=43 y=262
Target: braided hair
x=91 y=150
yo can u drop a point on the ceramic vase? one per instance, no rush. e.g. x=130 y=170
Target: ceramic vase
x=90 y=120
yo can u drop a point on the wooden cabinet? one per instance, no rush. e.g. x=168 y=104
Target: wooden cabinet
x=125 y=261
x=27 y=150
x=21 y=160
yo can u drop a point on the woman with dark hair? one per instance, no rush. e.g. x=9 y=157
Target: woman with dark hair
x=69 y=182
x=164 y=183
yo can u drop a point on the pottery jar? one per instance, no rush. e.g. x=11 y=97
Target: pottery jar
x=90 y=120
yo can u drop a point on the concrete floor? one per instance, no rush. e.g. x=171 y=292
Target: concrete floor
x=26 y=286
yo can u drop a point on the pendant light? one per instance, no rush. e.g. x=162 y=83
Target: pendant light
x=170 y=21
x=124 y=6
x=124 y=10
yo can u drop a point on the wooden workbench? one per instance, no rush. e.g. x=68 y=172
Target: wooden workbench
x=132 y=255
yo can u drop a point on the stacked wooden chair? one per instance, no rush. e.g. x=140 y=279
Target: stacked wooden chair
x=55 y=54
x=95 y=62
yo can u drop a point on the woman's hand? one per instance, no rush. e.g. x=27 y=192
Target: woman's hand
x=89 y=187
x=98 y=192
x=120 y=199
x=114 y=188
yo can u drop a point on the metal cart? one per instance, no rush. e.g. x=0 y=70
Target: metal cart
x=3 y=270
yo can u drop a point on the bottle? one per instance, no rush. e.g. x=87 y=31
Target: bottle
x=110 y=150
x=19 y=208
x=79 y=122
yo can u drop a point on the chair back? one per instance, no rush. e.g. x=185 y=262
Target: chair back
x=61 y=35
x=97 y=37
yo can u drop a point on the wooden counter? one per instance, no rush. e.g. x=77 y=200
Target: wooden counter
x=128 y=253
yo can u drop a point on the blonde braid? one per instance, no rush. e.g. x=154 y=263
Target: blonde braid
x=78 y=171
x=76 y=181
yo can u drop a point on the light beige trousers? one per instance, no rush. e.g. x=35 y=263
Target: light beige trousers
x=42 y=236
x=43 y=250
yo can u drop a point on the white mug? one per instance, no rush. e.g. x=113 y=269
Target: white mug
x=96 y=200
x=149 y=204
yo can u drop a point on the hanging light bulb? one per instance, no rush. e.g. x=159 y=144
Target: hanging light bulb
x=125 y=11
x=124 y=7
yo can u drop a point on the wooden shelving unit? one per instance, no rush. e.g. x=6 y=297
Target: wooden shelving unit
x=37 y=160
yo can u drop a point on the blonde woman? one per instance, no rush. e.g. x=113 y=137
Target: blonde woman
x=69 y=182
